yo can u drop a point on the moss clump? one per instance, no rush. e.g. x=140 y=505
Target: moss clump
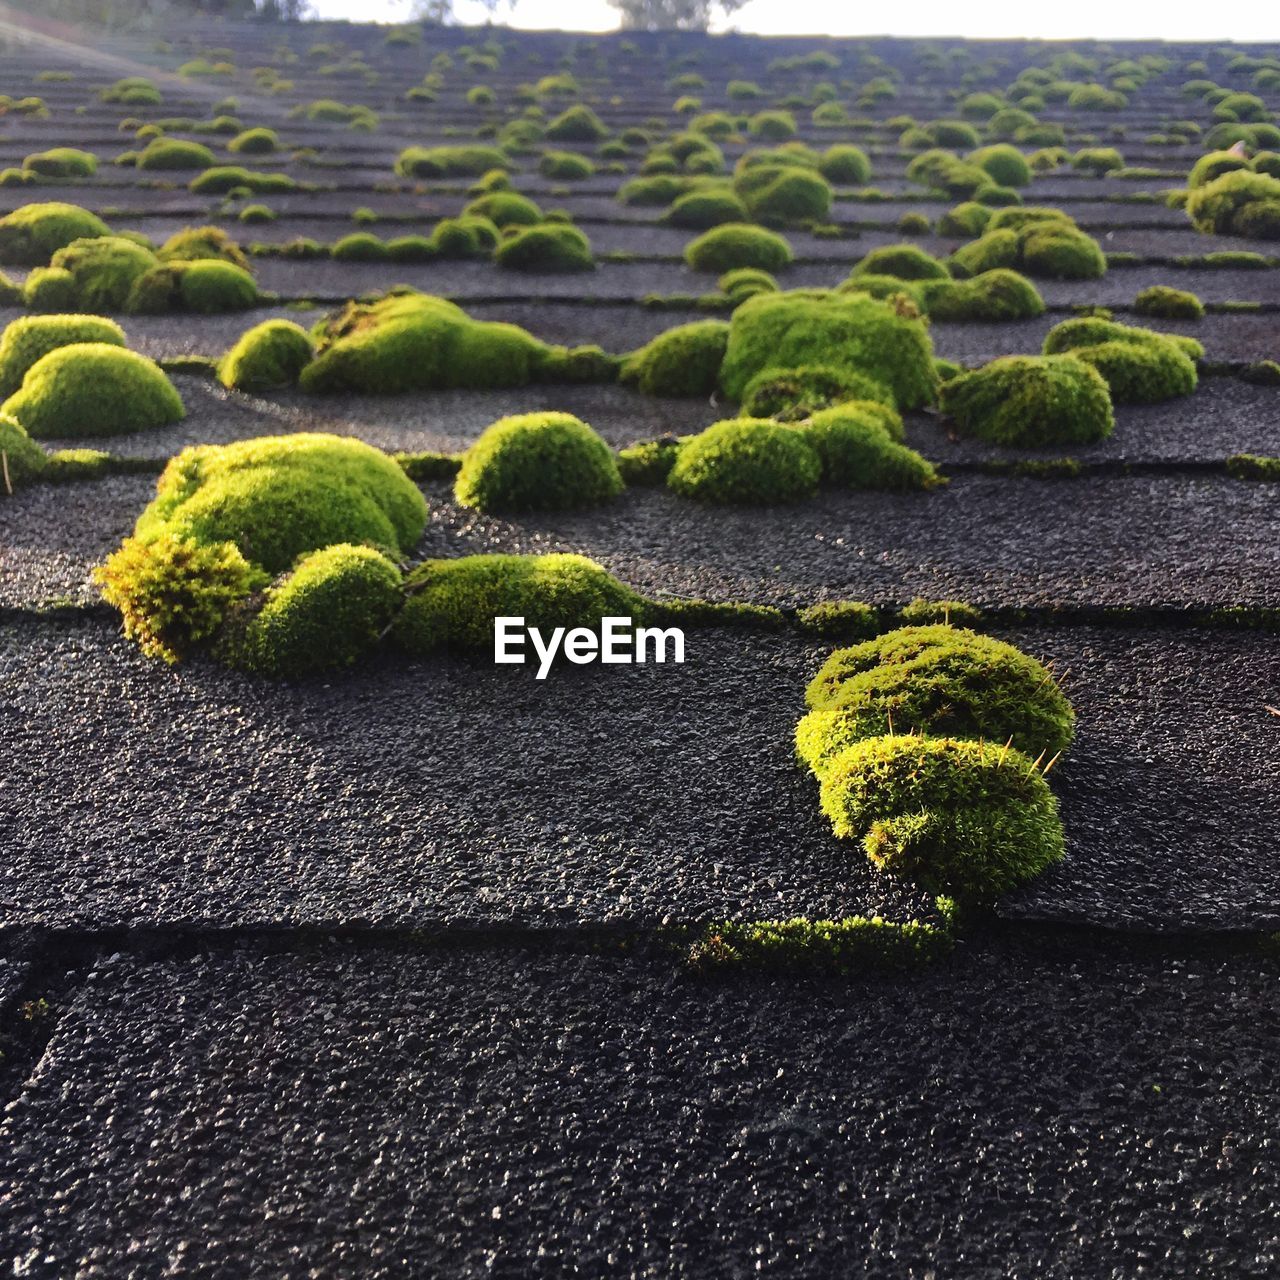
x=22 y=461
x=204 y=287
x=194 y=243
x=225 y=178
x=505 y=209
x=1164 y=303
x=174 y=593
x=31 y=235
x=452 y=603
x=850 y=945
x=537 y=462
x=279 y=497
x=702 y=210
x=360 y=246
x=549 y=247
x=174 y=154
x=684 y=361
x=62 y=162
x=93 y=389
x=1047 y=248
x=967 y=220
x=1031 y=401
x=791 y=395
x=1239 y=203
x=737 y=245
x=450 y=161
x=330 y=611
x=858 y=445
x=469 y=236
x=1005 y=164
x=745 y=282
x=577 y=124
x=746 y=461
x=565 y=166
x=993 y=296
x=415 y=342
x=272 y=354
x=968 y=819
x=853 y=332
x=784 y=195
x=1140 y=366
x=104 y=270
x=254 y=142
x=49 y=289
x=1253 y=466
x=845 y=164
x=940 y=681
x=903 y=261
x=30 y=338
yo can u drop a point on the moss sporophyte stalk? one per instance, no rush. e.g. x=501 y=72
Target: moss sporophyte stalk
x=618 y=642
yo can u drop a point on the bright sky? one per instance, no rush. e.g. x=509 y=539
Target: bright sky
x=1243 y=20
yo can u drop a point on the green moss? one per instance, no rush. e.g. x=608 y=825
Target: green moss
x=783 y=195
x=225 y=178
x=940 y=681
x=1031 y=401
x=1049 y=248
x=360 y=246
x=49 y=289
x=791 y=395
x=968 y=819
x=22 y=461
x=174 y=593
x=410 y=249
x=449 y=161
x=1252 y=466
x=1006 y=165
x=452 y=603
x=577 y=124
x=269 y=355
x=93 y=389
x=1164 y=303
x=469 y=236
x=845 y=164
x=279 y=497
x=648 y=462
x=194 y=243
x=654 y=189
x=414 y=342
x=1097 y=160
x=921 y=612
x=745 y=282
x=428 y=466
x=548 y=247
x=505 y=209
x=205 y=286
x=737 y=245
x=29 y=236
x=104 y=270
x=1214 y=165
x=174 y=154
x=854 y=332
x=684 y=361
x=62 y=162
x=329 y=612
x=746 y=461
x=1139 y=365
x=254 y=142
x=704 y=209
x=565 y=166
x=848 y=946
x=992 y=296
x=839 y=619
x=1239 y=203
x=30 y=338
x=903 y=261
x=537 y=462
x=858 y=450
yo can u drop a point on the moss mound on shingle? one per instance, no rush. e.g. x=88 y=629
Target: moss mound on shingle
x=746 y=461
x=31 y=235
x=270 y=355
x=93 y=389
x=684 y=361
x=29 y=338
x=537 y=462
